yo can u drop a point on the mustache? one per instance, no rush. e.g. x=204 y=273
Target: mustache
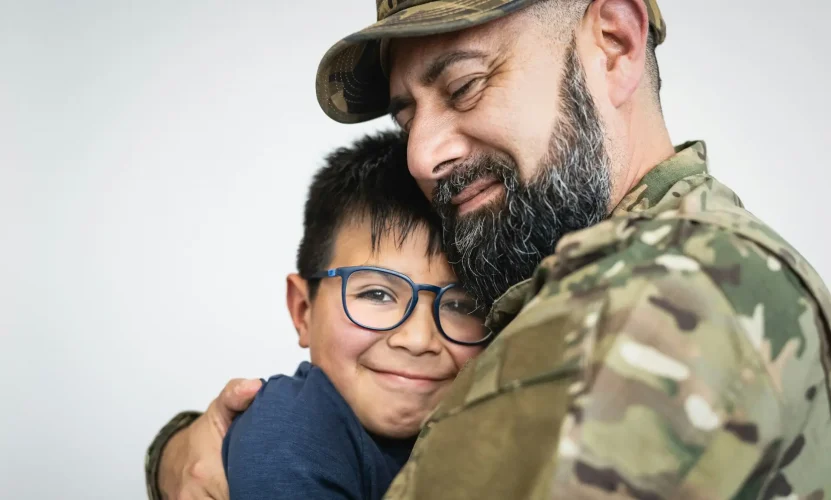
x=491 y=166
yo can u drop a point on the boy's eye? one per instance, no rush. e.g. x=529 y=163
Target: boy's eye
x=466 y=307
x=376 y=295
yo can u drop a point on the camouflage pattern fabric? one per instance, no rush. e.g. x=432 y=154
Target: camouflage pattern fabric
x=351 y=84
x=153 y=457
x=677 y=350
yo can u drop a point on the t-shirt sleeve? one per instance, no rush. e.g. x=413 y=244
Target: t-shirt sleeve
x=295 y=441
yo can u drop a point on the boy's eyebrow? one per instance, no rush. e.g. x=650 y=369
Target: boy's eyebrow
x=390 y=278
x=394 y=279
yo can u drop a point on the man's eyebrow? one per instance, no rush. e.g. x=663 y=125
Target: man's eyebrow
x=441 y=63
x=431 y=74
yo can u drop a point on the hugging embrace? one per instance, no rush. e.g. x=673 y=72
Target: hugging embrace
x=526 y=291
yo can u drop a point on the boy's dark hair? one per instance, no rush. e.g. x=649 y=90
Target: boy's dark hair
x=367 y=179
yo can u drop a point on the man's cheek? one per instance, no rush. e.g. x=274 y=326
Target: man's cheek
x=427 y=186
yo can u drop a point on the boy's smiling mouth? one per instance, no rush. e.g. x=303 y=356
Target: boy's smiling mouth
x=400 y=379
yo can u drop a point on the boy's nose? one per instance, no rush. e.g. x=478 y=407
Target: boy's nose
x=419 y=334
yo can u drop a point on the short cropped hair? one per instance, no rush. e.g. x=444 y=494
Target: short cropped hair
x=367 y=180
x=561 y=16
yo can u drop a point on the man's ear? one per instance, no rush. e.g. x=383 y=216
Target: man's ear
x=300 y=306
x=619 y=29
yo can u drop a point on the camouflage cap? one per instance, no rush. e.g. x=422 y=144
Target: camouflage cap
x=351 y=84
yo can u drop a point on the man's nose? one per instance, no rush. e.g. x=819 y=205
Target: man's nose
x=434 y=146
x=419 y=334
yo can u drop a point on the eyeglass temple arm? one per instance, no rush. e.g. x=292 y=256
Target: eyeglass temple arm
x=330 y=273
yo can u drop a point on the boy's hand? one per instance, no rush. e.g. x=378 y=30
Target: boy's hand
x=191 y=464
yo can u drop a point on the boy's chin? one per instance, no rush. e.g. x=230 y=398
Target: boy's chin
x=393 y=423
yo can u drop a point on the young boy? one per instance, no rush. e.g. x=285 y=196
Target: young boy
x=374 y=300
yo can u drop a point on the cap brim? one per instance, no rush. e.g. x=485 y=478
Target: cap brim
x=351 y=85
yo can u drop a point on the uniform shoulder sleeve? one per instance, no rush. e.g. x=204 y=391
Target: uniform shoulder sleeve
x=774 y=302
x=696 y=373
x=296 y=440
x=153 y=457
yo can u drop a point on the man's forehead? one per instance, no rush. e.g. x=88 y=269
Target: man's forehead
x=406 y=56
x=352 y=77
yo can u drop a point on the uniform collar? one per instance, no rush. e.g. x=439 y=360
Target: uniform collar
x=689 y=159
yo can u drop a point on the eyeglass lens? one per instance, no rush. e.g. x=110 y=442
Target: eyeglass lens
x=380 y=300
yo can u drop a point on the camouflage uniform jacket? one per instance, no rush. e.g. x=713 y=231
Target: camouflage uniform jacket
x=677 y=350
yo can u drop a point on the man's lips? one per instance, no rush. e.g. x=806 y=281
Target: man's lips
x=472 y=190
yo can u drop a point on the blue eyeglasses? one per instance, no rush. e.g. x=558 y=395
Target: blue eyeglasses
x=382 y=299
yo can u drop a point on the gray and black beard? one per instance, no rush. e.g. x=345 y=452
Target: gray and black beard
x=500 y=245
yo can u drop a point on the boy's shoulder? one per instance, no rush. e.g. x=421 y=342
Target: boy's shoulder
x=297 y=437
x=308 y=384
x=299 y=400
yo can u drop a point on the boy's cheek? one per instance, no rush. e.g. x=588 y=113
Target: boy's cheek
x=337 y=344
x=462 y=354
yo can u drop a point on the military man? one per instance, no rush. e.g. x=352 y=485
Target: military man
x=656 y=340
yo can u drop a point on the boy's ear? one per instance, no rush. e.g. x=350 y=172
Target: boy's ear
x=300 y=306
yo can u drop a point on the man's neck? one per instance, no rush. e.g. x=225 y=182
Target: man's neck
x=646 y=146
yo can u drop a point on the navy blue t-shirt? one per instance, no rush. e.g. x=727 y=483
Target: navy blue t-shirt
x=300 y=439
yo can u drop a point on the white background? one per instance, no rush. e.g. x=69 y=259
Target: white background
x=153 y=163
